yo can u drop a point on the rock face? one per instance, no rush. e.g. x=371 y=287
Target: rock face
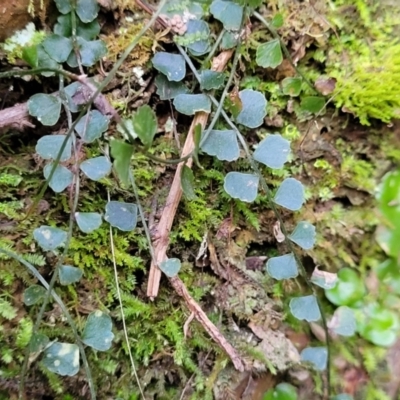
x=14 y=16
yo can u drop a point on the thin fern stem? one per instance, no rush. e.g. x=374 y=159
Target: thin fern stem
x=122 y=309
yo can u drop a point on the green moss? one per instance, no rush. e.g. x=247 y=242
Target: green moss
x=364 y=59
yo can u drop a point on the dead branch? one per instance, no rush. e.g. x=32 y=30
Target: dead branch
x=175 y=194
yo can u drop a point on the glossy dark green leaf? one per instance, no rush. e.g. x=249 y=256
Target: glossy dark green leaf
x=173 y=66
x=122 y=154
x=282 y=391
x=69 y=274
x=277 y=21
x=291 y=86
x=170 y=267
x=273 y=151
x=30 y=55
x=389 y=197
x=87 y=10
x=228 y=12
x=318 y=356
x=121 y=215
x=57 y=47
x=349 y=289
x=92 y=126
x=290 y=194
x=211 y=79
x=254 y=108
x=88 y=221
x=98 y=331
x=222 y=144
x=49 y=238
x=168 y=90
x=33 y=294
x=49 y=146
x=61 y=179
x=45 y=107
x=241 y=186
x=312 y=104
x=305 y=308
x=187 y=183
x=378 y=324
x=62 y=359
x=282 y=267
x=145 y=124
x=304 y=235
x=96 y=168
x=269 y=55
x=189 y=104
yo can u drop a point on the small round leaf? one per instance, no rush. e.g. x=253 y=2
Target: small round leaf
x=282 y=267
x=62 y=359
x=88 y=222
x=171 y=267
x=69 y=274
x=57 y=47
x=49 y=238
x=222 y=144
x=254 y=108
x=290 y=194
x=61 y=179
x=145 y=124
x=49 y=146
x=312 y=104
x=64 y=6
x=92 y=126
x=87 y=10
x=34 y=294
x=318 y=356
x=343 y=321
x=121 y=215
x=168 y=90
x=304 y=235
x=171 y=65
x=96 y=168
x=189 y=104
x=198 y=29
x=269 y=55
x=211 y=79
x=97 y=333
x=45 y=107
x=291 y=86
x=305 y=308
x=229 y=13
x=90 y=51
x=273 y=151
x=241 y=186
x=38 y=343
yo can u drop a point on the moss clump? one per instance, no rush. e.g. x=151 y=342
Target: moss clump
x=372 y=89
x=364 y=58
